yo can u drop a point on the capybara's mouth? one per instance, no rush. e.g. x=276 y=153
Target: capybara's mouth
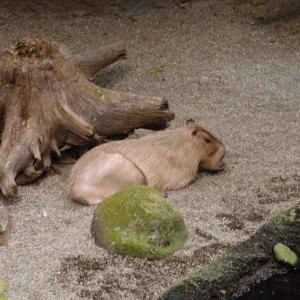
x=220 y=167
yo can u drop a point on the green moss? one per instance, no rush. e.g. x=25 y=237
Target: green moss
x=155 y=70
x=140 y=222
x=294 y=214
x=98 y=92
x=3 y=287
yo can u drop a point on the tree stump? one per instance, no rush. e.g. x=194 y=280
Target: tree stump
x=47 y=102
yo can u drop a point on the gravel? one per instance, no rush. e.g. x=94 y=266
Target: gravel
x=233 y=68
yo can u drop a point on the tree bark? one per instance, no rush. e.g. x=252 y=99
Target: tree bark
x=46 y=103
x=5 y=223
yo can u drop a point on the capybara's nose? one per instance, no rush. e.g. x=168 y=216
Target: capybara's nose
x=221 y=165
x=223 y=155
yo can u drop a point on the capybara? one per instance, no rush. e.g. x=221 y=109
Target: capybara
x=167 y=160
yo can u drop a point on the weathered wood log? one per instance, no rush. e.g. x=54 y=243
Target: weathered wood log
x=258 y=2
x=46 y=103
x=92 y=61
x=245 y=264
x=5 y=223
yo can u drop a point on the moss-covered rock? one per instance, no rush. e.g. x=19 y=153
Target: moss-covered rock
x=140 y=222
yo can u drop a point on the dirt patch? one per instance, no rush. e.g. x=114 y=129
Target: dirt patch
x=233 y=222
x=231 y=67
x=236 y=220
x=90 y=272
x=80 y=8
x=255 y=216
x=279 y=189
x=203 y=234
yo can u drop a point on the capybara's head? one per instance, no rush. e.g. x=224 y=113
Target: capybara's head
x=211 y=150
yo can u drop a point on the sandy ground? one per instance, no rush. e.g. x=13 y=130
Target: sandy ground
x=233 y=68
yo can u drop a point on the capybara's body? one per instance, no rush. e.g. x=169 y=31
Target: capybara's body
x=166 y=160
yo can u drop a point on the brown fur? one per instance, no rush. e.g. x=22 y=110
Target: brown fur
x=167 y=160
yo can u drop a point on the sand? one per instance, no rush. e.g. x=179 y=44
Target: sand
x=235 y=69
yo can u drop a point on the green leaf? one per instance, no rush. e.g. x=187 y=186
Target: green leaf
x=3 y=287
x=155 y=70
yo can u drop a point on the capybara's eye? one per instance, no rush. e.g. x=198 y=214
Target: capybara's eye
x=207 y=140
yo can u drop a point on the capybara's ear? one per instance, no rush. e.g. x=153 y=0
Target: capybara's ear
x=190 y=122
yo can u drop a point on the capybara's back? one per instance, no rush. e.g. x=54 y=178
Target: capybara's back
x=167 y=160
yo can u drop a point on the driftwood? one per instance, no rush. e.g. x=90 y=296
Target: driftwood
x=245 y=264
x=92 y=61
x=48 y=103
x=5 y=223
x=258 y=2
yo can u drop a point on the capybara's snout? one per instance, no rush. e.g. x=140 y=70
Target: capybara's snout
x=215 y=162
x=221 y=164
x=220 y=167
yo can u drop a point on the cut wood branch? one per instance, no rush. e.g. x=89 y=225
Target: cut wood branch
x=93 y=61
x=5 y=223
x=46 y=103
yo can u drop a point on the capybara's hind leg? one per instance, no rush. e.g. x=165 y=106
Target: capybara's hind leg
x=110 y=173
